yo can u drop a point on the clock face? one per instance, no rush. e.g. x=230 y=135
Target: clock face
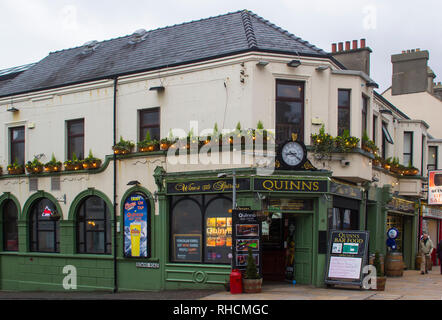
x=293 y=154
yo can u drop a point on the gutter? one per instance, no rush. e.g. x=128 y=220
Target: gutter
x=115 y=185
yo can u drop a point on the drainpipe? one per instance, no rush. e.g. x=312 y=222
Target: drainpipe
x=115 y=185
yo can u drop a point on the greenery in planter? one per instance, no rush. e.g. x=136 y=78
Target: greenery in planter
x=123 y=146
x=323 y=144
x=53 y=166
x=34 y=166
x=91 y=162
x=345 y=142
x=15 y=168
x=410 y=170
x=148 y=144
x=369 y=145
x=73 y=164
x=251 y=270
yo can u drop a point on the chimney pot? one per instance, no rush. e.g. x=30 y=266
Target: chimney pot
x=340 y=46
x=362 y=43
x=355 y=44
x=347 y=45
x=333 y=47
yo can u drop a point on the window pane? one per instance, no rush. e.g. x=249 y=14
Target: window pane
x=218 y=231
x=93 y=226
x=343 y=120
x=407 y=142
x=76 y=127
x=289 y=110
x=10 y=229
x=150 y=120
x=432 y=158
x=75 y=139
x=44 y=231
x=344 y=98
x=289 y=119
x=186 y=231
x=18 y=134
x=285 y=90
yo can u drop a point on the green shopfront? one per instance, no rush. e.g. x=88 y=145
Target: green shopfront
x=293 y=208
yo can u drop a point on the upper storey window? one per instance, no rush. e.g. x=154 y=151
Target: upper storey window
x=343 y=111
x=17 y=144
x=75 y=138
x=289 y=110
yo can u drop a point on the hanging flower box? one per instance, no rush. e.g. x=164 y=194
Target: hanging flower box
x=123 y=147
x=73 y=165
x=91 y=162
x=15 y=168
x=34 y=166
x=53 y=165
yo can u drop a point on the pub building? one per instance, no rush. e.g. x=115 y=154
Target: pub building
x=140 y=222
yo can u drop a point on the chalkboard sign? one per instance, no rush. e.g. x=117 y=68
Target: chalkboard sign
x=246 y=233
x=187 y=247
x=346 y=257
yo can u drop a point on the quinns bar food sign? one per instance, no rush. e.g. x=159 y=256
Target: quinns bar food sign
x=346 y=257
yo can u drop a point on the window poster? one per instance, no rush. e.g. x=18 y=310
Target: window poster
x=187 y=247
x=136 y=234
x=218 y=239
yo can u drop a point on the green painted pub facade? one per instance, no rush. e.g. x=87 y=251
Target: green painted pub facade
x=298 y=208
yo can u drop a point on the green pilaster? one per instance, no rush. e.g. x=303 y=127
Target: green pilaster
x=67 y=237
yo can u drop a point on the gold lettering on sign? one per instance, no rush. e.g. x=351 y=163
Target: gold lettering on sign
x=187 y=187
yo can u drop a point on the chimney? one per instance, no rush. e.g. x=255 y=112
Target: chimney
x=437 y=90
x=411 y=73
x=353 y=58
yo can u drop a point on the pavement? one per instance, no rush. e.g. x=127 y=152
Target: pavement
x=411 y=286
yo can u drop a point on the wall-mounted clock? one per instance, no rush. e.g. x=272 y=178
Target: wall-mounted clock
x=292 y=154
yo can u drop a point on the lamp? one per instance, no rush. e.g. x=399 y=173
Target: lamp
x=372 y=84
x=262 y=63
x=12 y=109
x=158 y=88
x=133 y=183
x=322 y=67
x=294 y=63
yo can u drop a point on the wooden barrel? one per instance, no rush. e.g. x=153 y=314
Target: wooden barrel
x=394 y=264
x=381 y=258
x=429 y=263
x=418 y=261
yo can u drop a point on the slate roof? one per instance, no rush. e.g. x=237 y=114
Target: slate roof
x=205 y=39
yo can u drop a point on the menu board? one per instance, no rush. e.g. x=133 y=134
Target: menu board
x=346 y=257
x=246 y=234
x=187 y=247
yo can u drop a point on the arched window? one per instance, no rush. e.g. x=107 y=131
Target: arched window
x=10 y=229
x=186 y=230
x=93 y=226
x=218 y=231
x=44 y=229
x=201 y=229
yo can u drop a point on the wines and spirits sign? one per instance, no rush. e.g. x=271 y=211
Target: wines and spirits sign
x=246 y=234
x=346 y=257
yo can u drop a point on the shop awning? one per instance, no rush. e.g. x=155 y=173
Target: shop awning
x=387 y=134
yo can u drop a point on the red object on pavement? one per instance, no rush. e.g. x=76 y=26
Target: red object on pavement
x=235 y=281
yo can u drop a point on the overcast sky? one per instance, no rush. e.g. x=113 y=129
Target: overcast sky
x=30 y=29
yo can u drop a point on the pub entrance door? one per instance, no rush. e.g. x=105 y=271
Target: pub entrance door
x=287 y=247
